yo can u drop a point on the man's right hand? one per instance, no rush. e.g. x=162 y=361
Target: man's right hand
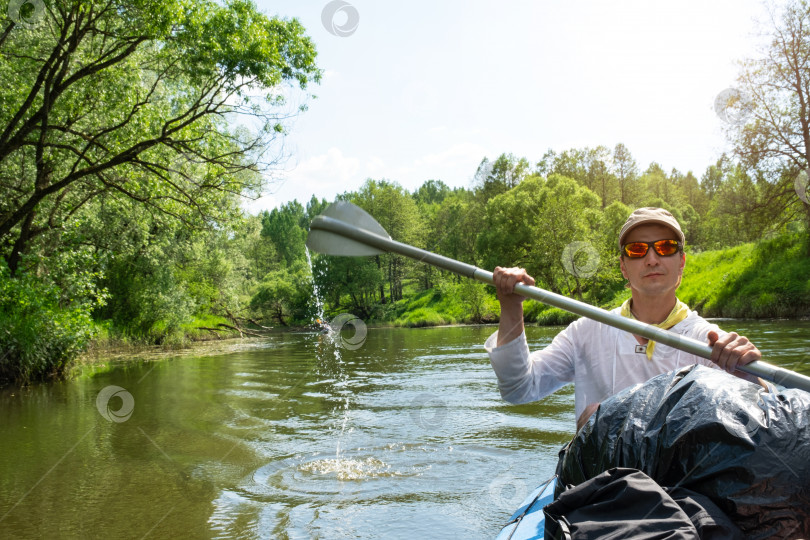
x=511 y=321
x=505 y=281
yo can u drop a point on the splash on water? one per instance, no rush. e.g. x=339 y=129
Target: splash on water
x=315 y=288
x=332 y=335
x=350 y=469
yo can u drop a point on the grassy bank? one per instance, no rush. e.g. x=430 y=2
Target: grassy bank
x=767 y=279
x=109 y=340
x=770 y=278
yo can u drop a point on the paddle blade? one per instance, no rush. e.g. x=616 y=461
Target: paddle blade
x=329 y=243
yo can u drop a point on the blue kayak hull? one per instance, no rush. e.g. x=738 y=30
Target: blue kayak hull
x=528 y=521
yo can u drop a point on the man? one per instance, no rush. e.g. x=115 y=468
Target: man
x=601 y=360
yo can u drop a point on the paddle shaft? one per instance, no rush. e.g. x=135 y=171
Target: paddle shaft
x=683 y=343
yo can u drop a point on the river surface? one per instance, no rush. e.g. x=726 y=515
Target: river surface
x=400 y=435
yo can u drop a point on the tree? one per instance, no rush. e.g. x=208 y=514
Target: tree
x=656 y=185
x=495 y=177
x=532 y=224
x=140 y=267
x=314 y=208
x=260 y=254
x=626 y=172
x=775 y=138
x=396 y=211
x=139 y=99
x=286 y=296
x=569 y=163
x=598 y=176
x=743 y=209
x=428 y=198
x=456 y=226
x=689 y=187
x=431 y=192
x=593 y=168
x=350 y=282
x=713 y=177
x=283 y=227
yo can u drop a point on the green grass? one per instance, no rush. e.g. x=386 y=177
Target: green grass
x=425 y=308
x=539 y=313
x=770 y=278
x=449 y=303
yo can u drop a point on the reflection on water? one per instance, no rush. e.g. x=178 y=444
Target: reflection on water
x=290 y=437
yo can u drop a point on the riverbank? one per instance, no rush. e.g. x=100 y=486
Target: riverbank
x=767 y=279
x=763 y=280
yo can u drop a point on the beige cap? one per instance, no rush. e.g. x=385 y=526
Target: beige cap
x=651 y=215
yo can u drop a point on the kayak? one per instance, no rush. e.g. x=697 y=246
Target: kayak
x=528 y=522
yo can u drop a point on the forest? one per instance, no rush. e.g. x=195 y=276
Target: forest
x=131 y=131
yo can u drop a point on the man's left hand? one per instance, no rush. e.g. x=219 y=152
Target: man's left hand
x=732 y=350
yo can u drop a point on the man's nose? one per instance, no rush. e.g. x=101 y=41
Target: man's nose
x=652 y=257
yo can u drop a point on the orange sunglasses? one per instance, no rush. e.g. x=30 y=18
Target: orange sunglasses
x=665 y=248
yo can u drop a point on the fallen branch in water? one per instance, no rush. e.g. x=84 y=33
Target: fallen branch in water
x=252 y=321
x=241 y=331
x=214 y=331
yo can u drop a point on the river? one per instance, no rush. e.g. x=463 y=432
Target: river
x=400 y=435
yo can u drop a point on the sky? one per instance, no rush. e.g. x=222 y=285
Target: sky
x=422 y=90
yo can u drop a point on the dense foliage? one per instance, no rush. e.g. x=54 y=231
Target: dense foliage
x=130 y=130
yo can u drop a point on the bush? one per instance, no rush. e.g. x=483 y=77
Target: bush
x=148 y=301
x=422 y=317
x=544 y=315
x=41 y=333
x=286 y=296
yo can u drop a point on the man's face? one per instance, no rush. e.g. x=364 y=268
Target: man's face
x=652 y=275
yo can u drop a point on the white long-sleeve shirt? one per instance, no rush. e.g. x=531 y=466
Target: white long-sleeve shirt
x=600 y=360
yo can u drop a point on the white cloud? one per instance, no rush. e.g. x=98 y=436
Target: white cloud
x=457 y=154
x=324 y=176
x=375 y=167
x=265 y=202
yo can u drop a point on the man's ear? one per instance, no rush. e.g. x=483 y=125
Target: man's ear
x=683 y=262
x=621 y=266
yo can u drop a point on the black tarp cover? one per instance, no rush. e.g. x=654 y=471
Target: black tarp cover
x=746 y=448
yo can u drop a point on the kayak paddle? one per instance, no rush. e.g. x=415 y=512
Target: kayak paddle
x=347 y=230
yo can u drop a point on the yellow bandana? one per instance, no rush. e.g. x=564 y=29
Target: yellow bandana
x=678 y=313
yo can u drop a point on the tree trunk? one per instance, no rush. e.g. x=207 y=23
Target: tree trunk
x=382 y=285
x=20 y=245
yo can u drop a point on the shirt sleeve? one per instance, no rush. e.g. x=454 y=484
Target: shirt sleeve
x=524 y=376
